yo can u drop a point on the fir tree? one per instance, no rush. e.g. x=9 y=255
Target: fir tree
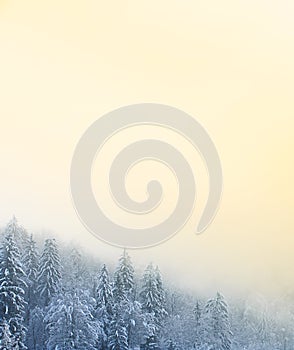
x=30 y=261
x=36 y=330
x=123 y=291
x=161 y=310
x=104 y=299
x=118 y=334
x=217 y=330
x=71 y=324
x=12 y=285
x=197 y=313
x=124 y=279
x=49 y=272
x=18 y=233
x=197 y=318
x=77 y=269
x=7 y=341
x=152 y=295
x=153 y=302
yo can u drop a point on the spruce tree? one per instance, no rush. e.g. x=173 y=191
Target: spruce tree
x=7 y=341
x=118 y=334
x=49 y=272
x=30 y=262
x=197 y=318
x=104 y=299
x=123 y=292
x=70 y=323
x=12 y=289
x=77 y=269
x=124 y=279
x=153 y=302
x=161 y=311
x=217 y=333
x=36 y=329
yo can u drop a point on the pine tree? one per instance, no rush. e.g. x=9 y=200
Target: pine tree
x=36 y=330
x=161 y=311
x=153 y=302
x=30 y=262
x=124 y=279
x=149 y=293
x=77 y=269
x=118 y=334
x=104 y=299
x=216 y=326
x=18 y=233
x=49 y=272
x=152 y=295
x=123 y=291
x=197 y=313
x=71 y=324
x=197 y=318
x=7 y=341
x=12 y=285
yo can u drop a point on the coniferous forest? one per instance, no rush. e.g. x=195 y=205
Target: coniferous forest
x=52 y=297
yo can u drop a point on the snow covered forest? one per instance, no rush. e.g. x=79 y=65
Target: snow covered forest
x=52 y=297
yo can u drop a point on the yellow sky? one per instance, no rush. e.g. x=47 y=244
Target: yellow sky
x=229 y=63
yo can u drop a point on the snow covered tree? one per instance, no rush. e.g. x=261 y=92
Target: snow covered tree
x=49 y=272
x=197 y=321
x=12 y=289
x=7 y=341
x=124 y=279
x=104 y=299
x=148 y=295
x=153 y=301
x=77 y=269
x=71 y=324
x=197 y=313
x=152 y=294
x=30 y=262
x=216 y=325
x=161 y=310
x=123 y=291
x=36 y=330
x=118 y=334
x=18 y=233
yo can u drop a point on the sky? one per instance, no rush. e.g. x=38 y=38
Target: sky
x=63 y=64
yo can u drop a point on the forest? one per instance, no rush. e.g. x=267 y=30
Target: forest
x=54 y=297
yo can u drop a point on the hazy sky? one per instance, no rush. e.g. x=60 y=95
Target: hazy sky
x=229 y=63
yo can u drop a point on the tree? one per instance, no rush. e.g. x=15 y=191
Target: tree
x=216 y=324
x=104 y=299
x=36 y=329
x=7 y=341
x=30 y=261
x=71 y=324
x=197 y=313
x=123 y=292
x=153 y=302
x=118 y=334
x=12 y=289
x=18 y=233
x=197 y=318
x=49 y=272
x=161 y=310
x=124 y=279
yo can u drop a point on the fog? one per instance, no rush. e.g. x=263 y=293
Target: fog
x=65 y=64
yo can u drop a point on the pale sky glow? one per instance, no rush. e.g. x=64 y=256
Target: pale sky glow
x=228 y=63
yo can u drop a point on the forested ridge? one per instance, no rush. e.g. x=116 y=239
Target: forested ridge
x=53 y=297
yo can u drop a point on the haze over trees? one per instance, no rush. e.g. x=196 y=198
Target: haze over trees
x=52 y=297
